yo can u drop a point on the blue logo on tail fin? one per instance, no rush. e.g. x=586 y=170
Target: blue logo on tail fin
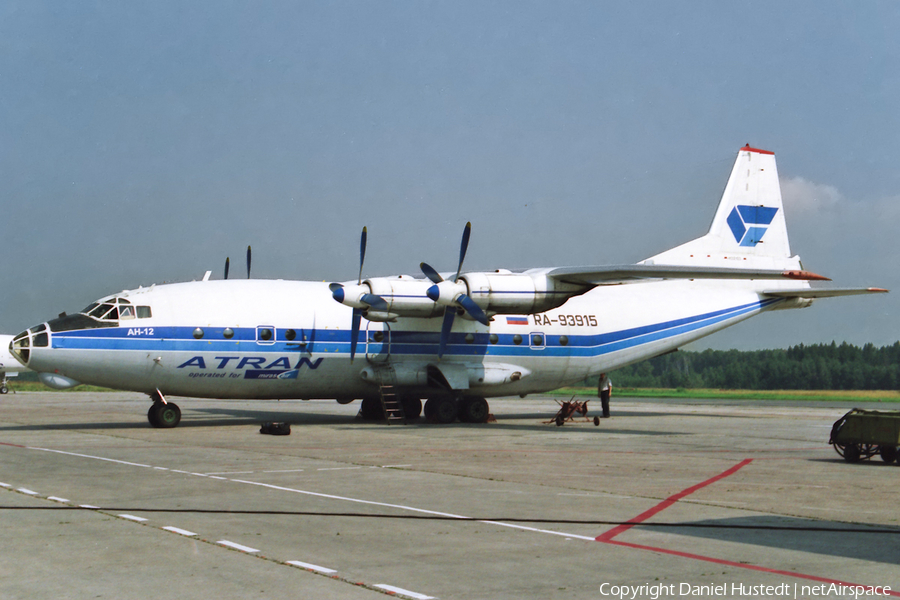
x=746 y=223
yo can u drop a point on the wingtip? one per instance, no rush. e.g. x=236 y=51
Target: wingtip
x=805 y=275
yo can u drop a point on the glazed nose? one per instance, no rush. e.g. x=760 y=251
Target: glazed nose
x=21 y=345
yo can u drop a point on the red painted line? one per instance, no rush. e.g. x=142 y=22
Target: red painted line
x=747 y=148
x=607 y=538
x=729 y=563
x=609 y=535
x=13 y=445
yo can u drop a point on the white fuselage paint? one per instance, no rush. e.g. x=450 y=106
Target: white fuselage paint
x=603 y=329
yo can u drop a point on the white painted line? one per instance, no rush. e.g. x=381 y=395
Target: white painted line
x=5 y=485
x=27 y=491
x=339 y=469
x=57 y=499
x=121 y=462
x=180 y=531
x=310 y=566
x=559 y=533
x=281 y=471
x=402 y=592
x=161 y=468
x=237 y=546
x=346 y=499
x=319 y=495
x=90 y=506
x=133 y=518
x=216 y=477
x=228 y=472
x=394 y=466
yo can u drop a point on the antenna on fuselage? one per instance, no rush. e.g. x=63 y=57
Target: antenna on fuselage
x=227 y=264
x=248 y=262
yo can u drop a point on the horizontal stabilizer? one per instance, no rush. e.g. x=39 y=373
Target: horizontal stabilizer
x=627 y=273
x=823 y=292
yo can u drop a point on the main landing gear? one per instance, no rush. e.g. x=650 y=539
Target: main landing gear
x=446 y=409
x=440 y=409
x=162 y=414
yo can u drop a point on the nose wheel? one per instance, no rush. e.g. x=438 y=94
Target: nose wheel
x=163 y=415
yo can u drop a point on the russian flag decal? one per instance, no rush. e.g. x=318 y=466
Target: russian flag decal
x=517 y=320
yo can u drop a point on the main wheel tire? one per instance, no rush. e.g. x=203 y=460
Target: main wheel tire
x=412 y=407
x=153 y=414
x=169 y=415
x=445 y=410
x=889 y=453
x=474 y=409
x=371 y=409
x=4 y=389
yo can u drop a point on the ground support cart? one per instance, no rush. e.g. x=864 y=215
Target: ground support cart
x=861 y=434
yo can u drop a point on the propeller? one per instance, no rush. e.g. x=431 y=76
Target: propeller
x=228 y=264
x=452 y=294
x=368 y=299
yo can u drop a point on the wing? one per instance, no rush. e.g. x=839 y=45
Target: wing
x=615 y=274
x=823 y=292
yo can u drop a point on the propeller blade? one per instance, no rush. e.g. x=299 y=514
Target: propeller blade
x=430 y=273
x=446 y=326
x=473 y=309
x=248 y=262
x=362 y=253
x=463 y=247
x=227 y=265
x=354 y=332
x=376 y=302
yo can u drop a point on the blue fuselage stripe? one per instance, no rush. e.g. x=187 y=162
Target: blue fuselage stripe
x=337 y=341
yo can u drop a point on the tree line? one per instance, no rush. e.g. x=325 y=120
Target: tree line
x=814 y=367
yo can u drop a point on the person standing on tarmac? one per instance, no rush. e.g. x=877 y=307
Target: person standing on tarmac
x=604 y=390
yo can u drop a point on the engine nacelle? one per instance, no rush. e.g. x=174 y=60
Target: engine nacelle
x=531 y=292
x=496 y=292
x=405 y=296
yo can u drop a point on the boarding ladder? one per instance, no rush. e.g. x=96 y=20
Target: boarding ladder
x=391 y=402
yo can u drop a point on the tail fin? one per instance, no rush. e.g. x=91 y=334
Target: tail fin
x=748 y=230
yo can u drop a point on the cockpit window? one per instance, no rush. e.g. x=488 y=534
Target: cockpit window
x=102 y=311
x=115 y=309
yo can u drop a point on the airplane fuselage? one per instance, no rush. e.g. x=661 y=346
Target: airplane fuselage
x=289 y=339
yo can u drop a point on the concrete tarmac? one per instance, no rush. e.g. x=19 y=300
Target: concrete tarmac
x=673 y=499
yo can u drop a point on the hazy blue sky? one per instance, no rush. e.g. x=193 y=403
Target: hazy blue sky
x=145 y=142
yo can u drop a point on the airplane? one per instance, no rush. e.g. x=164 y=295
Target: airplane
x=9 y=364
x=454 y=339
